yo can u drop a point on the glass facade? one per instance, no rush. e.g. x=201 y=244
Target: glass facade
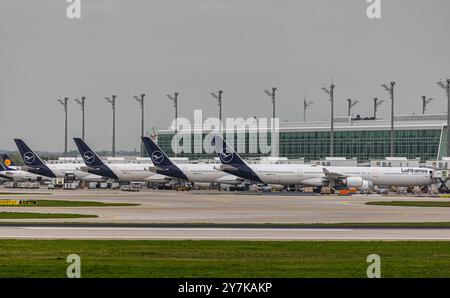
x=361 y=144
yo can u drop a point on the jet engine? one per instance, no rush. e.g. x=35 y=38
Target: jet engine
x=367 y=184
x=357 y=182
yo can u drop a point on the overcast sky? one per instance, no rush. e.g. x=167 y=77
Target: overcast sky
x=197 y=46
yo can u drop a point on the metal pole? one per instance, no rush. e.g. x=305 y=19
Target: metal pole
x=65 y=140
x=140 y=100
x=82 y=116
x=351 y=104
x=142 y=123
x=218 y=96
x=448 y=115
x=375 y=107
x=112 y=101
x=392 y=118
x=424 y=99
x=219 y=102
x=114 y=126
x=176 y=116
x=306 y=104
x=304 y=110
x=273 y=101
x=349 y=100
x=274 y=142
x=272 y=96
x=446 y=87
x=81 y=103
x=175 y=104
x=332 y=120
x=64 y=104
x=376 y=104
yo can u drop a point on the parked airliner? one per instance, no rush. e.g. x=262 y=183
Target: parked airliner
x=202 y=173
x=118 y=171
x=18 y=175
x=10 y=171
x=34 y=164
x=294 y=174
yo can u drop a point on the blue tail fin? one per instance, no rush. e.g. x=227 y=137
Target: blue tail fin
x=94 y=163
x=235 y=165
x=28 y=156
x=7 y=161
x=33 y=161
x=89 y=156
x=2 y=167
x=226 y=154
x=161 y=160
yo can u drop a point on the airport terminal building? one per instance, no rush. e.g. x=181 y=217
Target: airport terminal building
x=416 y=137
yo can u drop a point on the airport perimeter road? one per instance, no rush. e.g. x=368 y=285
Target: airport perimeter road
x=129 y=233
x=226 y=207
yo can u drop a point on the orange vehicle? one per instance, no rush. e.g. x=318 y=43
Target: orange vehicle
x=344 y=192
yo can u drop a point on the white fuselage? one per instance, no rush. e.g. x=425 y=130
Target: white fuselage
x=208 y=173
x=289 y=174
x=17 y=174
x=129 y=172
x=61 y=169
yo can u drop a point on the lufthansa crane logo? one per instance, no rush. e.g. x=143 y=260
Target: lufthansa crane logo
x=89 y=157
x=29 y=158
x=157 y=157
x=225 y=157
x=7 y=162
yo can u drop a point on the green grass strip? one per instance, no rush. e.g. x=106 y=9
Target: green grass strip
x=67 y=203
x=184 y=259
x=30 y=215
x=411 y=203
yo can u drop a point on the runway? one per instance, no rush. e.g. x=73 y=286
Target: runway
x=173 y=215
x=229 y=207
x=276 y=234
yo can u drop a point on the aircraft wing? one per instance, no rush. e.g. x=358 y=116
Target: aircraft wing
x=229 y=179
x=333 y=175
x=158 y=178
x=224 y=168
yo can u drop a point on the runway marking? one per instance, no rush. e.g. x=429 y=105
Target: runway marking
x=173 y=233
x=185 y=229
x=366 y=238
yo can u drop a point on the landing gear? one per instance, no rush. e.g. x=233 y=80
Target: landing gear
x=326 y=190
x=424 y=189
x=443 y=188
